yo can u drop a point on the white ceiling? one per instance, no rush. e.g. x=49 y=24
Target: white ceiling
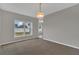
x=30 y=9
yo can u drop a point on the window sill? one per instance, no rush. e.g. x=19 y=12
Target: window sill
x=22 y=37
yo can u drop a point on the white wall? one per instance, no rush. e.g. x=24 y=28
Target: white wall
x=7 y=26
x=63 y=27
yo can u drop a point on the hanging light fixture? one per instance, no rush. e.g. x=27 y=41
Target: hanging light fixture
x=40 y=13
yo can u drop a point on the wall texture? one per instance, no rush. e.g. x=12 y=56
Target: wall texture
x=7 y=26
x=63 y=27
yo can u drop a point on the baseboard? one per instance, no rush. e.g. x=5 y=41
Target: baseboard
x=62 y=43
x=4 y=44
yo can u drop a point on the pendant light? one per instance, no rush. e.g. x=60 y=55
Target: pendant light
x=40 y=13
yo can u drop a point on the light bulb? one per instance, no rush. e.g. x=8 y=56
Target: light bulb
x=40 y=14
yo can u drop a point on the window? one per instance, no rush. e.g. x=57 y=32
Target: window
x=40 y=27
x=22 y=28
x=28 y=28
x=40 y=30
x=19 y=28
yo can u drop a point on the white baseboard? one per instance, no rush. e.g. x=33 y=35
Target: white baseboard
x=62 y=43
x=7 y=43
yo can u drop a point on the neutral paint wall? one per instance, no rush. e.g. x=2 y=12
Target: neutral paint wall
x=63 y=27
x=7 y=26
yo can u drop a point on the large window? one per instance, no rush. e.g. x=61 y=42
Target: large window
x=22 y=28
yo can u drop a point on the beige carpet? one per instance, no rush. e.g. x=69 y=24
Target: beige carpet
x=37 y=47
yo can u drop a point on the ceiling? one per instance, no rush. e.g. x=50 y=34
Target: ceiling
x=30 y=9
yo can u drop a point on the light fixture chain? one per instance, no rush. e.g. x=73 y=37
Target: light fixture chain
x=40 y=7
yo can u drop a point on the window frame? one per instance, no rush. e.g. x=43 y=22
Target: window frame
x=24 y=35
